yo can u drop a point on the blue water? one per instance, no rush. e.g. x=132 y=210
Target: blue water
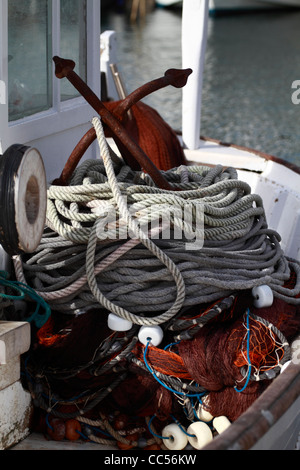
x=252 y=61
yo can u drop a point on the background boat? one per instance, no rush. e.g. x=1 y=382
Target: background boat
x=169 y=3
x=230 y=6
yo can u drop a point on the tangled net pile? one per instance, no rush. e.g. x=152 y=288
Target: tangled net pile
x=101 y=255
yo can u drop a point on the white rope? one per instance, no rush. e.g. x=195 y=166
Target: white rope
x=75 y=269
x=140 y=235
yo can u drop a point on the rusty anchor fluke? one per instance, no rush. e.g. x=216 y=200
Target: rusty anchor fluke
x=134 y=156
x=174 y=77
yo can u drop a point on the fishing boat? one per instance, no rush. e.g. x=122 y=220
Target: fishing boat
x=231 y=6
x=219 y=7
x=273 y=420
x=169 y=3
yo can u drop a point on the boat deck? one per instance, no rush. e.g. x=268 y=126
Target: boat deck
x=39 y=442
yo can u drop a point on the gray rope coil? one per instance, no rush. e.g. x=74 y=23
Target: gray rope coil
x=148 y=281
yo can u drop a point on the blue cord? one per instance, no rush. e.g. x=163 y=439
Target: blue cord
x=181 y=427
x=47 y=422
x=170 y=345
x=85 y=438
x=248 y=357
x=168 y=437
x=159 y=381
x=99 y=430
x=152 y=432
x=194 y=411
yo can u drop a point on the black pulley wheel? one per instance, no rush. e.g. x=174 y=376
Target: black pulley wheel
x=23 y=199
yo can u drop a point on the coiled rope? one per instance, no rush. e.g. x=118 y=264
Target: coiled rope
x=76 y=268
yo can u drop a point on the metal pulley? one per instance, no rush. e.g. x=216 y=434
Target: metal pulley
x=23 y=199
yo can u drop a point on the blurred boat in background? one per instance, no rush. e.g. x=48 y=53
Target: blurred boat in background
x=231 y=6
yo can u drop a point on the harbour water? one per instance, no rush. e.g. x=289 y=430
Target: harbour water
x=252 y=64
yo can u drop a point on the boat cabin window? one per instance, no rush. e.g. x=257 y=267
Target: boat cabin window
x=31 y=30
x=36 y=108
x=73 y=39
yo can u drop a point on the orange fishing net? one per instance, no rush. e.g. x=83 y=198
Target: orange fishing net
x=165 y=362
x=46 y=336
x=264 y=349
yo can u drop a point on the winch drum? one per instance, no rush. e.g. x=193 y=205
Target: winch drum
x=23 y=199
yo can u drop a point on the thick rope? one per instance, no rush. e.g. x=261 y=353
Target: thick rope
x=140 y=277
x=134 y=226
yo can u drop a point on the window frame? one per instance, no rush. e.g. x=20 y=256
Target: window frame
x=63 y=115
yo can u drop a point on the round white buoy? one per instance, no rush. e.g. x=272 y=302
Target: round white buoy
x=221 y=423
x=263 y=296
x=295 y=350
x=154 y=334
x=199 y=434
x=203 y=414
x=116 y=323
x=23 y=199
x=176 y=438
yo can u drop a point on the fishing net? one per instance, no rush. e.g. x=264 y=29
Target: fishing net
x=217 y=347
